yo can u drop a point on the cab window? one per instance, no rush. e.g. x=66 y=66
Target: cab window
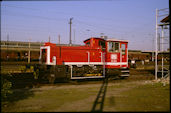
x=102 y=44
x=110 y=46
x=123 y=48
x=116 y=47
x=113 y=46
x=88 y=43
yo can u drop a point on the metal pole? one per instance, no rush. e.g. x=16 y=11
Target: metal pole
x=104 y=64
x=40 y=57
x=152 y=50
x=59 y=39
x=152 y=56
x=158 y=42
x=71 y=71
x=49 y=38
x=156 y=47
x=70 y=41
x=29 y=53
x=162 y=49
x=74 y=35
x=7 y=45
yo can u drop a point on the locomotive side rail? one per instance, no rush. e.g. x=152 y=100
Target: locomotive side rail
x=88 y=77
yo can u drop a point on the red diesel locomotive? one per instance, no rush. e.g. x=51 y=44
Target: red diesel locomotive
x=98 y=58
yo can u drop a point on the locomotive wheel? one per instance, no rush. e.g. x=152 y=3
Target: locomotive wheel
x=51 y=78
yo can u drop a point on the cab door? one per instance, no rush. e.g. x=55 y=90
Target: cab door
x=43 y=56
x=123 y=52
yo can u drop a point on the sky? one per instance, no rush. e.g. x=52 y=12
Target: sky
x=132 y=20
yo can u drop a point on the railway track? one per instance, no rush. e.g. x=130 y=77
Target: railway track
x=19 y=70
x=99 y=81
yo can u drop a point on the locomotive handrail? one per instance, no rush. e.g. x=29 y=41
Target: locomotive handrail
x=88 y=56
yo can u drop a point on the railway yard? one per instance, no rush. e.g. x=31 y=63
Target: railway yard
x=100 y=76
x=82 y=57
x=139 y=92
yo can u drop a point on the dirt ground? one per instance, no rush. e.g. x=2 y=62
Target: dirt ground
x=137 y=93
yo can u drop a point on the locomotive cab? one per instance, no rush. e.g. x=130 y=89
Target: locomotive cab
x=96 y=43
x=117 y=53
x=117 y=56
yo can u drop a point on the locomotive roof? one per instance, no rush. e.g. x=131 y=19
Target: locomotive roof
x=108 y=39
x=94 y=38
x=112 y=39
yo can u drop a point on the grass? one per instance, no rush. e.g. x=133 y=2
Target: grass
x=47 y=100
x=124 y=96
x=150 y=97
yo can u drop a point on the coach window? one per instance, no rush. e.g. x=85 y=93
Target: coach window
x=113 y=47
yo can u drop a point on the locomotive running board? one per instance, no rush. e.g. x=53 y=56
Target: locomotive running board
x=87 y=77
x=95 y=63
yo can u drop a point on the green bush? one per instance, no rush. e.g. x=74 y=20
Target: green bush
x=5 y=87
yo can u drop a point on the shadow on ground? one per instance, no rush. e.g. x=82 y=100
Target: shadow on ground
x=99 y=102
x=20 y=89
x=18 y=94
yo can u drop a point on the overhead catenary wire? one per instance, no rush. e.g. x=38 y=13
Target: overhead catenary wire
x=82 y=16
x=47 y=18
x=89 y=24
x=34 y=9
x=24 y=29
x=35 y=16
x=104 y=28
x=55 y=19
